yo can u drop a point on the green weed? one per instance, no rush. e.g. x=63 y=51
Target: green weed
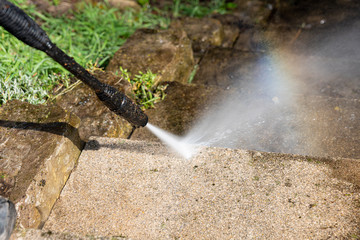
x=192 y=74
x=146 y=93
x=196 y=8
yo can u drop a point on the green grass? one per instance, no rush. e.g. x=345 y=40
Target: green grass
x=91 y=36
x=195 y=8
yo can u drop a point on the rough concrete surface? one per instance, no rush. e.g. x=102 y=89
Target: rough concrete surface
x=37 y=234
x=139 y=190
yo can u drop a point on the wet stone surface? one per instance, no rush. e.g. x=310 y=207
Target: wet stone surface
x=254 y=72
x=225 y=67
x=39 y=146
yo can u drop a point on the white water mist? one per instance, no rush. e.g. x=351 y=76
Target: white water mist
x=176 y=143
x=264 y=113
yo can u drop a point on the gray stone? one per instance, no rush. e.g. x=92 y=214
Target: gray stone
x=166 y=53
x=142 y=191
x=39 y=147
x=96 y=118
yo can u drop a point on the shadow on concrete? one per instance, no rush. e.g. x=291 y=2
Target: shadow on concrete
x=125 y=145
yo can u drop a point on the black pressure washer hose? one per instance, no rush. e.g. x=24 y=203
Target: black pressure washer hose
x=19 y=24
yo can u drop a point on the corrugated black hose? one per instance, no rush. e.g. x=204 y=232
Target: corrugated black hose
x=19 y=24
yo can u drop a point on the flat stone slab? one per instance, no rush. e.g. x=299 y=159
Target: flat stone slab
x=140 y=190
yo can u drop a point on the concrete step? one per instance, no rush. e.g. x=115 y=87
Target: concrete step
x=140 y=190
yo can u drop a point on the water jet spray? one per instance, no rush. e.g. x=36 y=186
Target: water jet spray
x=19 y=24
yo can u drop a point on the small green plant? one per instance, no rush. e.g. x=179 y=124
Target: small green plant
x=143 y=2
x=196 y=8
x=145 y=92
x=192 y=74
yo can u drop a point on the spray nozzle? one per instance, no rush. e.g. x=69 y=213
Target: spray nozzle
x=119 y=103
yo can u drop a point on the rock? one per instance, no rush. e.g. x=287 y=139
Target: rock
x=96 y=118
x=56 y=10
x=167 y=53
x=123 y=4
x=182 y=106
x=232 y=26
x=203 y=32
x=141 y=190
x=39 y=147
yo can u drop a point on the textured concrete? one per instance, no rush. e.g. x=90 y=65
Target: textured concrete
x=36 y=234
x=139 y=190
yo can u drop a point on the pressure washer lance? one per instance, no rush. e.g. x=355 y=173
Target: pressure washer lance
x=19 y=24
